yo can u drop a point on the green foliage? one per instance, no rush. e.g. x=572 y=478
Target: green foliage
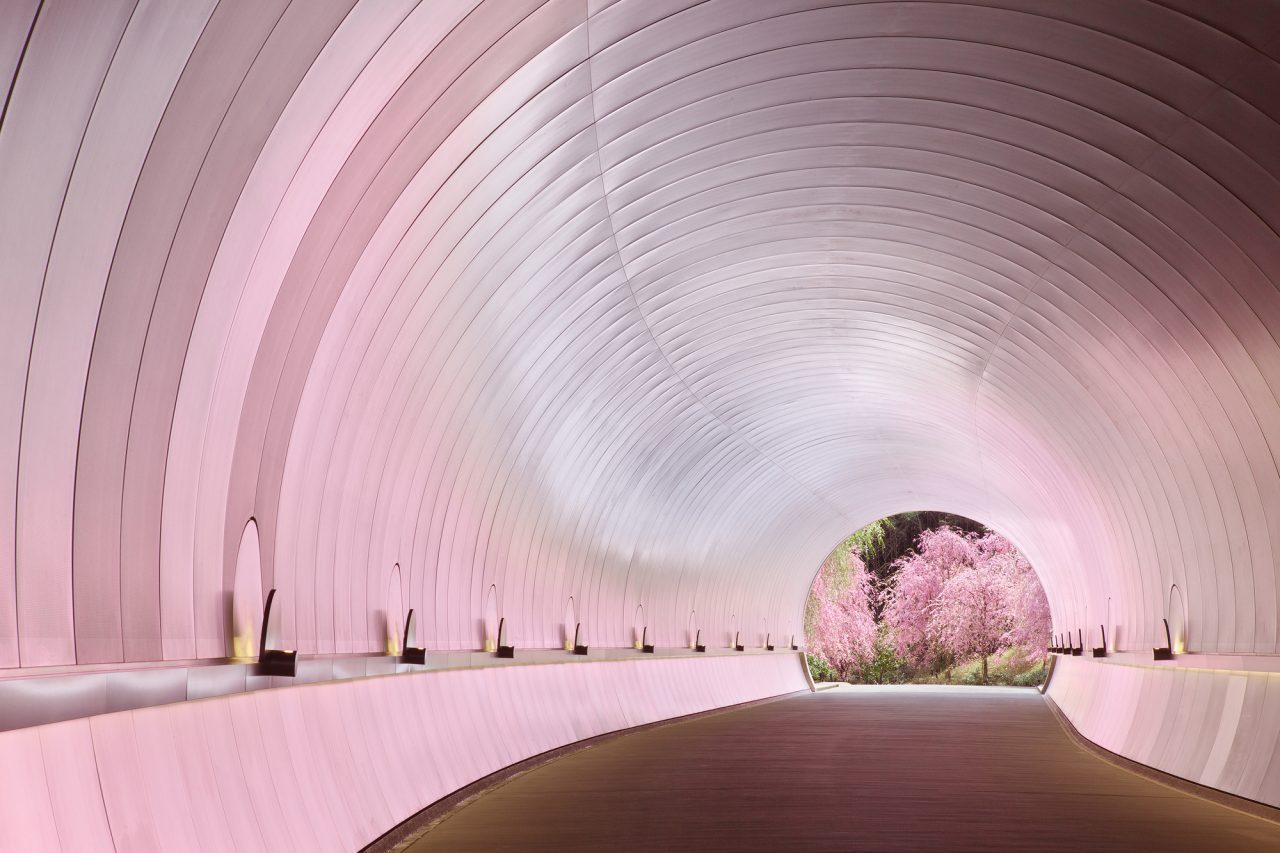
x=1007 y=668
x=1032 y=677
x=1010 y=668
x=869 y=542
x=841 y=574
x=884 y=667
x=819 y=669
x=841 y=570
x=883 y=542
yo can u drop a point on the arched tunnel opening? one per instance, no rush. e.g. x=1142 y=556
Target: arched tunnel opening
x=393 y=392
x=928 y=597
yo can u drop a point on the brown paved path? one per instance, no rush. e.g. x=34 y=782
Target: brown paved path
x=878 y=769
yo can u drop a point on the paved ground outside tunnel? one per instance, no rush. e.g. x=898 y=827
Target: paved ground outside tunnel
x=853 y=768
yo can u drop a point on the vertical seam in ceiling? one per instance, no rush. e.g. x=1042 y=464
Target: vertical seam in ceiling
x=4 y=112
x=1157 y=144
x=31 y=348
x=626 y=277
x=17 y=68
x=97 y=329
x=151 y=318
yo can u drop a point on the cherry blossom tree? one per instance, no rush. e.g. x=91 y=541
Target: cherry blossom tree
x=972 y=615
x=916 y=585
x=965 y=595
x=956 y=597
x=1031 y=621
x=840 y=626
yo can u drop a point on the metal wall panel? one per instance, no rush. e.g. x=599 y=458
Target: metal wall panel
x=646 y=304
x=332 y=766
x=1216 y=727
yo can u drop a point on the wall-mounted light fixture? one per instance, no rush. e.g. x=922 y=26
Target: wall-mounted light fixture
x=737 y=646
x=697 y=642
x=504 y=650
x=489 y=621
x=1176 y=609
x=794 y=647
x=411 y=653
x=1078 y=648
x=1164 y=652
x=578 y=648
x=571 y=618
x=645 y=645
x=1101 y=651
x=282 y=662
x=768 y=642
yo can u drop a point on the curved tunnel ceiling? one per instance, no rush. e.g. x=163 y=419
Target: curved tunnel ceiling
x=643 y=303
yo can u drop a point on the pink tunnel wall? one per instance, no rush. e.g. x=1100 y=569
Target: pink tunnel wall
x=643 y=303
x=1224 y=731
x=331 y=766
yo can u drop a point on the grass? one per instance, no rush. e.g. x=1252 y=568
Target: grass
x=1008 y=667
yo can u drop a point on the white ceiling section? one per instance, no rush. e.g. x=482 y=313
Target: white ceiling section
x=643 y=303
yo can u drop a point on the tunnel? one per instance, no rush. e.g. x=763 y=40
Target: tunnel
x=598 y=323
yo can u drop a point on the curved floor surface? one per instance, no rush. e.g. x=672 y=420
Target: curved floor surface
x=848 y=769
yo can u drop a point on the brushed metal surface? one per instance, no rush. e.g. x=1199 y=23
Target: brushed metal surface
x=640 y=304
x=643 y=303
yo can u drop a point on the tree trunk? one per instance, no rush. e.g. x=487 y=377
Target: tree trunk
x=984 y=669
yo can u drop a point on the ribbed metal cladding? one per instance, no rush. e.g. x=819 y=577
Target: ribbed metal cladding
x=645 y=303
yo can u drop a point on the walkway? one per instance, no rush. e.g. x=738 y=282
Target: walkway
x=866 y=768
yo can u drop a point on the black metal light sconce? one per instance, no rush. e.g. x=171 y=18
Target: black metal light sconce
x=578 y=648
x=410 y=653
x=645 y=645
x=1101 y=651
x=1078 y=648
x=768 y=642
x=282 y=662
x=504 y=651
x=1165 y=652
x=737 y=647
x=794 y=647
x=697 y=642
x=1056 y=648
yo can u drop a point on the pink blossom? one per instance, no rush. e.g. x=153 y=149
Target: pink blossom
x=920 y=576
x=965 y=595
x=841 y=627
x=972 y=615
